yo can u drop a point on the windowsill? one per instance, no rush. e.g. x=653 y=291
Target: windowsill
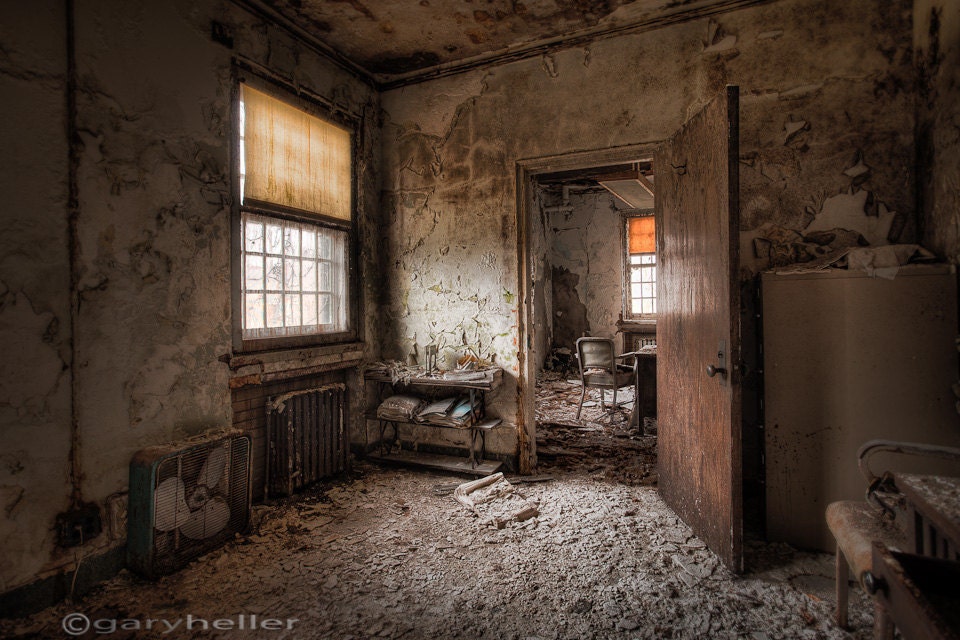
x=282 y=364
x=637 y=324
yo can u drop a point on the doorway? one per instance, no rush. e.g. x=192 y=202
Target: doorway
x=599 y=280
x=575 y=277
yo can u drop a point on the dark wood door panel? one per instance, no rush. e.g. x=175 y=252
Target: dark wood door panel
x=699 y=421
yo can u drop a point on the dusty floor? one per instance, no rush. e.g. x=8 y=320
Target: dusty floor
x=389 y=553
x=602 y=441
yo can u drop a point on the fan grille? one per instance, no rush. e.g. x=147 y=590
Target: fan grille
x=201 y=500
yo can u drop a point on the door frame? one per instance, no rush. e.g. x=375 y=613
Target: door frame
x=526 y=170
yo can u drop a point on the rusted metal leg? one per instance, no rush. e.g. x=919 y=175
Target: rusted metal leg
x=383 y=436
x=843 y=588
x=882 y=624
x=473 y=447
x=583 y=391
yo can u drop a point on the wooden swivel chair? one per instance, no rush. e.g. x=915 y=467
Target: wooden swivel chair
x=599 y=369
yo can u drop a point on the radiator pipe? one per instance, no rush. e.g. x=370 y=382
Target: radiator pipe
x=73 y=248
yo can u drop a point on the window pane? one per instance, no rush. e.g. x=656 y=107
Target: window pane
x=646 y=306
x=274 y=239
x=323 y=246
x=274 y=274
x=324 y=276
x=254 y=311
x=253 y=272
x=274 y=310
x=309 y=243
x=253 y=236
x=291 y=275
x=291 y=240
x=309 y=309
x=646 y=290
x=325 y=316
x=309 y=275
x=292 y=310
x=641 y=234
x=635 y=306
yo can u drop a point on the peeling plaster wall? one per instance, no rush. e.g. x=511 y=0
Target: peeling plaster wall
x=451 y=144
x=587 y=242
x=34 y=286
x=937 y=58
x=153 y=242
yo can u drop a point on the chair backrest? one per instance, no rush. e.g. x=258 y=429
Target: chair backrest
x=595 y=353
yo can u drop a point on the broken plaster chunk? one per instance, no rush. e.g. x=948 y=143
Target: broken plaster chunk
x=717 y=40
x=724 y=44
x=859 y=171
x=792 y=127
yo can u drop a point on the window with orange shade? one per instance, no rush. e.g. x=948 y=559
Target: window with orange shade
x=641 y=267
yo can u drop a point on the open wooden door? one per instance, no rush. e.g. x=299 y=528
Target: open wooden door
x=698 y=327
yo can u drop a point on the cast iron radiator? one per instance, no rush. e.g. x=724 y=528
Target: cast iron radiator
x=307 y=437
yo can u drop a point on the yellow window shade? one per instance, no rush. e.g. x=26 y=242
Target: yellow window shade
x=294 y=159
x=642 y=235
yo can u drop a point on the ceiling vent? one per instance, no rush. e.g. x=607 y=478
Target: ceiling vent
x=632 y=187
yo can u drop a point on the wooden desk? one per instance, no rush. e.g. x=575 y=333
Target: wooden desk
x=646 y=360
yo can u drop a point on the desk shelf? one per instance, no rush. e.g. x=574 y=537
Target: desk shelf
x=469 y=383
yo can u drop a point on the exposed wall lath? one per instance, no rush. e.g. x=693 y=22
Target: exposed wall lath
x=306 y=437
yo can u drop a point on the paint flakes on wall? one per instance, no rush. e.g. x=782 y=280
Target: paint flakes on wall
x=719 y=42
x=849 y=211
x=549 y=64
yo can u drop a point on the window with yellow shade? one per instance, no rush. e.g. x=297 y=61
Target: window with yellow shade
x=641 y=267
x=296 y=223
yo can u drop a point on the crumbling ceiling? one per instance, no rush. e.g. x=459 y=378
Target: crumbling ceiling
x=395 y=42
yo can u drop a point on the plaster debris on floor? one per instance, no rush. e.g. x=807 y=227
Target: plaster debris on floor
x=602 y=441
x=390 y=553
x=381 y=554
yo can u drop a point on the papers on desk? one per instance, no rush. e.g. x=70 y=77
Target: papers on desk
x=399 y=407
x=450 y=412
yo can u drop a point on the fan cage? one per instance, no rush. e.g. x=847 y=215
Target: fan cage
x=173 y=549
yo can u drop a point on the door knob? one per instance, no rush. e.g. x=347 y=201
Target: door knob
x=712 y=370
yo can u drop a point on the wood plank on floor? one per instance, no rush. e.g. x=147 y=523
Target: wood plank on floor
x=437 y=462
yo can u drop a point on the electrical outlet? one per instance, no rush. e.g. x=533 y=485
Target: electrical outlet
x=79 y=525
x=117 y=516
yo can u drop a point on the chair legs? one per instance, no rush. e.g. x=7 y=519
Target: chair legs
x=603 y=401
x=583 y=391
x=843 y=588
